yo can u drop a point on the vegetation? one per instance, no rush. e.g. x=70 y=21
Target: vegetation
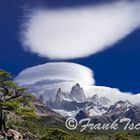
x=14 y=100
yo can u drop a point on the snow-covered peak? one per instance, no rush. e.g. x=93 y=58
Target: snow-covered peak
x=96 y=111
x=120 y=106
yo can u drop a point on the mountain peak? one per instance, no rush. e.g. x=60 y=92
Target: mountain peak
x=77 y=85
x=58 y=97
x=120 y=106
x=100 y=100
x=77 y=93
x=94 y=98
x=59 y=91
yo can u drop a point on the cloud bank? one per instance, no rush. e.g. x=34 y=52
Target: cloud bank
x=113 y=94
x=78 y=32
x=46 y=79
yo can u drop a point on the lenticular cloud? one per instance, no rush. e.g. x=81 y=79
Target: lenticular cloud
x=78 y=32
x=69 y=72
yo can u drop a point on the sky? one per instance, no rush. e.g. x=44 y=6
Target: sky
x=115 y=66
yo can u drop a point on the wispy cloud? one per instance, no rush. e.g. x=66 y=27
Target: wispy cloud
x=78 y=32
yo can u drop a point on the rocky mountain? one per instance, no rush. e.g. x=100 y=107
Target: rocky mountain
x=124 y=109
x=120 y=110
x=134 y=114
x=76 y=100
x=120 y=107
x=59 y=97
x=98 y=108
x=77 y=93
x=42 y=110
x=81 y=115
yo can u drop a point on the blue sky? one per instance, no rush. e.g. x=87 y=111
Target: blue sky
x=117 y=67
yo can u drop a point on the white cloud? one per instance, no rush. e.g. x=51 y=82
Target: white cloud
x=58 y=71
x=113 y=94
x=78 y=32
x=46 y=79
